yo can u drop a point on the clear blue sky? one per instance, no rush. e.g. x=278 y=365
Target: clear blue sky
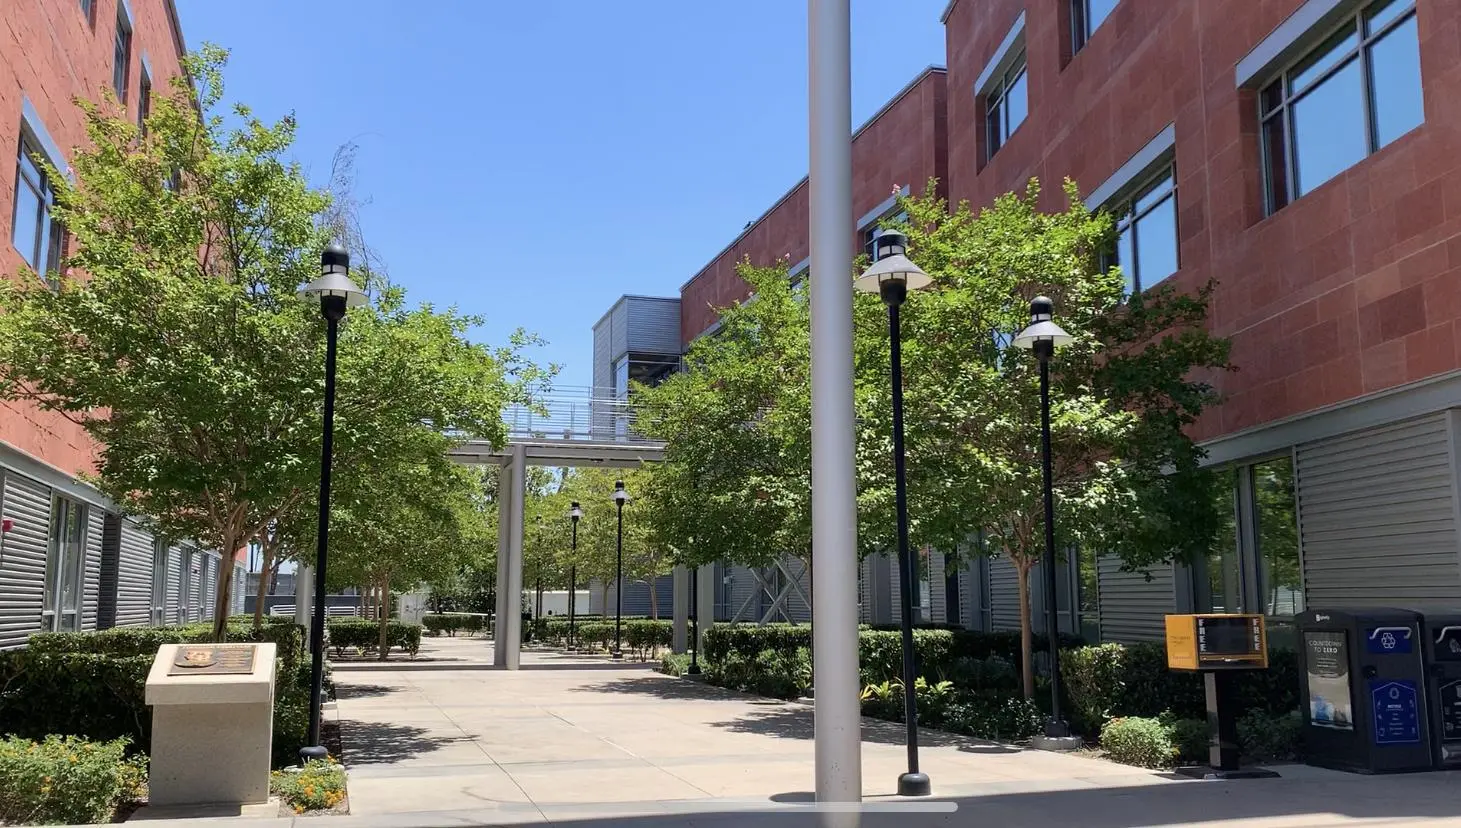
x=532 y=161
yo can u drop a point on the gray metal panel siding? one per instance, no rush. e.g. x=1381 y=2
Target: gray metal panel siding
x=1376 y=511
x=91 y=580
x=966 y=598
x=174 y=612
x=744 y=586
x=653 y=325
x=1004 y=595
x=23 y=557
x=134 y=577
x=212 y=565
x=618 y=331
x=864 y=590
x=111 y=542
x=1132 y=608
x=603 y=357
x=938 y=610
x=799 y=611
x=636 y=597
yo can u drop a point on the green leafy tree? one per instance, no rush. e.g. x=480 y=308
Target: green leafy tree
x=644 y=558
x=1127 y=480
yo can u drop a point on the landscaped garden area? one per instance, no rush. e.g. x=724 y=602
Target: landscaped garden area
x=77 y=731
x=1121 y=698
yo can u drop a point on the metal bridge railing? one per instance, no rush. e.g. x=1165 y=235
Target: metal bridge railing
x=575 y=413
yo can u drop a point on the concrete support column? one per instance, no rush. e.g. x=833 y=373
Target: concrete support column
x=681 y=601
x=504 y=528
x=705 y=605
x=513 y=629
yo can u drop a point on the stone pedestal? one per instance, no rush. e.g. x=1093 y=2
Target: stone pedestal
x=212 y=724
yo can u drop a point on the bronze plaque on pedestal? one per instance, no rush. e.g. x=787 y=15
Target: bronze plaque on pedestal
x=213 y=660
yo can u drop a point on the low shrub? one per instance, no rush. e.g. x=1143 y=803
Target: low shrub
x=318 y=786
x=997 y=716
x=451 y=623
x=647 y=636
x=773 y=673
x=1094 y=678
x=1190 y=739
x=363 y=636
x=1266 y=738
x=66 y=780
x=1137 y=740
x=674 y=664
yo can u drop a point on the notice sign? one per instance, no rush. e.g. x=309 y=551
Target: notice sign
x=214 y=659
x=1451 y=711
x=1397 y=716
x=1326 y=663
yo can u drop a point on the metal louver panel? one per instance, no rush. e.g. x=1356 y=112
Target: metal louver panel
x=134 y=576
x=937 y=611
x=797 y=609
x=966 y=598
x=1377 y=516
x=1130 y=607
x=91 y=578
x=208 y=604
x=22 y=557
x=744 y=587
x=111 y=540
x=195 y=585
x=177 y=611
x=1004 y=594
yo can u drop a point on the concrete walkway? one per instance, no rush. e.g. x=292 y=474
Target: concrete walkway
x=578 y=741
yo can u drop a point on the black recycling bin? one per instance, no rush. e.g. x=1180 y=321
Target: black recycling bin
x=1363 y=690
x=1441 y=636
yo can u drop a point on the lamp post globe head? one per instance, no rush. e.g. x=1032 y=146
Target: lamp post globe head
x=620 y=496
x=1042 y=336
x=334 y=289
x=893 y=274
x=574 y=512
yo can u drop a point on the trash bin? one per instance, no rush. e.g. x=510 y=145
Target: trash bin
x=1363 y=690
x=1441 y=637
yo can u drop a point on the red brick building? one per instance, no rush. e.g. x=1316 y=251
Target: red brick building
x=67 y=558
x=1307 y=157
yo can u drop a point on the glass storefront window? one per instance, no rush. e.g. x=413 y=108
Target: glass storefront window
x=1276 y=516
x=1221 y=587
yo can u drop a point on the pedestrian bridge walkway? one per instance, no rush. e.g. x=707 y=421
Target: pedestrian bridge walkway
x=577 y=741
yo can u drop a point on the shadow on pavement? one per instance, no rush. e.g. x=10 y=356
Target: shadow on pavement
x=376 y=743
x=1272 y=802
x=790 y=721
x=345 y=690
x=667 y=687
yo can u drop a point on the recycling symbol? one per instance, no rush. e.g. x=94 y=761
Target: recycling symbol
x=1388 y=641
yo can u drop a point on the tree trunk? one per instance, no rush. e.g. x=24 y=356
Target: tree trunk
x=225 y=585
x=266 y=567
x=1027 y=666
x=383 y=589
x=653 y=599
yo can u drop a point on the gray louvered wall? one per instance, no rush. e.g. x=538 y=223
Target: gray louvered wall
x=1131 y=608
x=111 y=540
x=797 y=609
x=967 y=610
x=653 y=325
x=1004 y=596
x=177 y=611
x=22 y=557
x=1377 y=516
x=134 y=576
x=91 y=577
x=195 y=585
x=744 y=586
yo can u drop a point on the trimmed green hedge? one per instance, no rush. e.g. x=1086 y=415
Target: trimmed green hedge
x=94 y=685
x=364 y=635
x=452 y=623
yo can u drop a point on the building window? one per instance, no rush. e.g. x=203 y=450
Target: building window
x=88 y=10
x=1275 y=511
x=1357 y=91
x=1085 y=17
x=144 y=102
x=121 y=57
x=39 y=238
x=1006 y=106
x=1146 y=233
x=64 y=567
x=1219 y=583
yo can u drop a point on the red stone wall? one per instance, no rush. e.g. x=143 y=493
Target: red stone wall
x=1351 y=289
x=50 y=53
x=904 y=146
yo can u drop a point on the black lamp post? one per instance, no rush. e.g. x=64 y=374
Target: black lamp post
x=575 y=514
x=694 y=622
x=892 y=276
x=1042 y=337
x=620 y=497
x=336 y=294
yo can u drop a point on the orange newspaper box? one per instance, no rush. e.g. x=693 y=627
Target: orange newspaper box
x=1216 y=641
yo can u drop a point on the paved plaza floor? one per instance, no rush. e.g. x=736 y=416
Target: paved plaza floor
x=577 y=741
